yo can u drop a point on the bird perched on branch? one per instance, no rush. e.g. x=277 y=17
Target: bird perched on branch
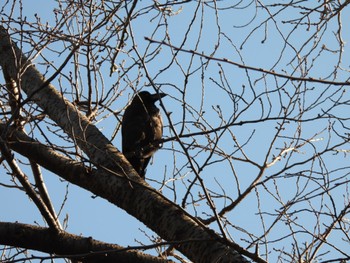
x=142 y=129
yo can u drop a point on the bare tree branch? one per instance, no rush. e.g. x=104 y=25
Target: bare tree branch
x=117 y=182
x=247 y=67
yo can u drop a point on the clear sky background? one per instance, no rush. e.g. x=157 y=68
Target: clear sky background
x=95 y=217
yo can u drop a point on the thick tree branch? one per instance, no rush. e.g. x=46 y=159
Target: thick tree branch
x=116 y=181
x=84 y=249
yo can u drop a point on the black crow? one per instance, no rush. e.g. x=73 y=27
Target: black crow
x=142 y=129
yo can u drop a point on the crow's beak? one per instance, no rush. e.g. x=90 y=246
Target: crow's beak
x=158 y=96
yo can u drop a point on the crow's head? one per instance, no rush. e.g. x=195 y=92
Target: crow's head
x=147 y=99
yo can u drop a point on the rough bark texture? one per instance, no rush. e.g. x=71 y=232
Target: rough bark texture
x=84 y=249
x=115 y=180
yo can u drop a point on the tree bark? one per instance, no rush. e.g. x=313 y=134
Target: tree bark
x=115 y=179
x=63 y=244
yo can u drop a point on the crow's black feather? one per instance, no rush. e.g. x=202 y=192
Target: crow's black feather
x=142 y=129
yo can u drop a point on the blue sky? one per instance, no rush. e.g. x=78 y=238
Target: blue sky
x=97 y=218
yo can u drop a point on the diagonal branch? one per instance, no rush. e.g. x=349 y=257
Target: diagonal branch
x=116 y=180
